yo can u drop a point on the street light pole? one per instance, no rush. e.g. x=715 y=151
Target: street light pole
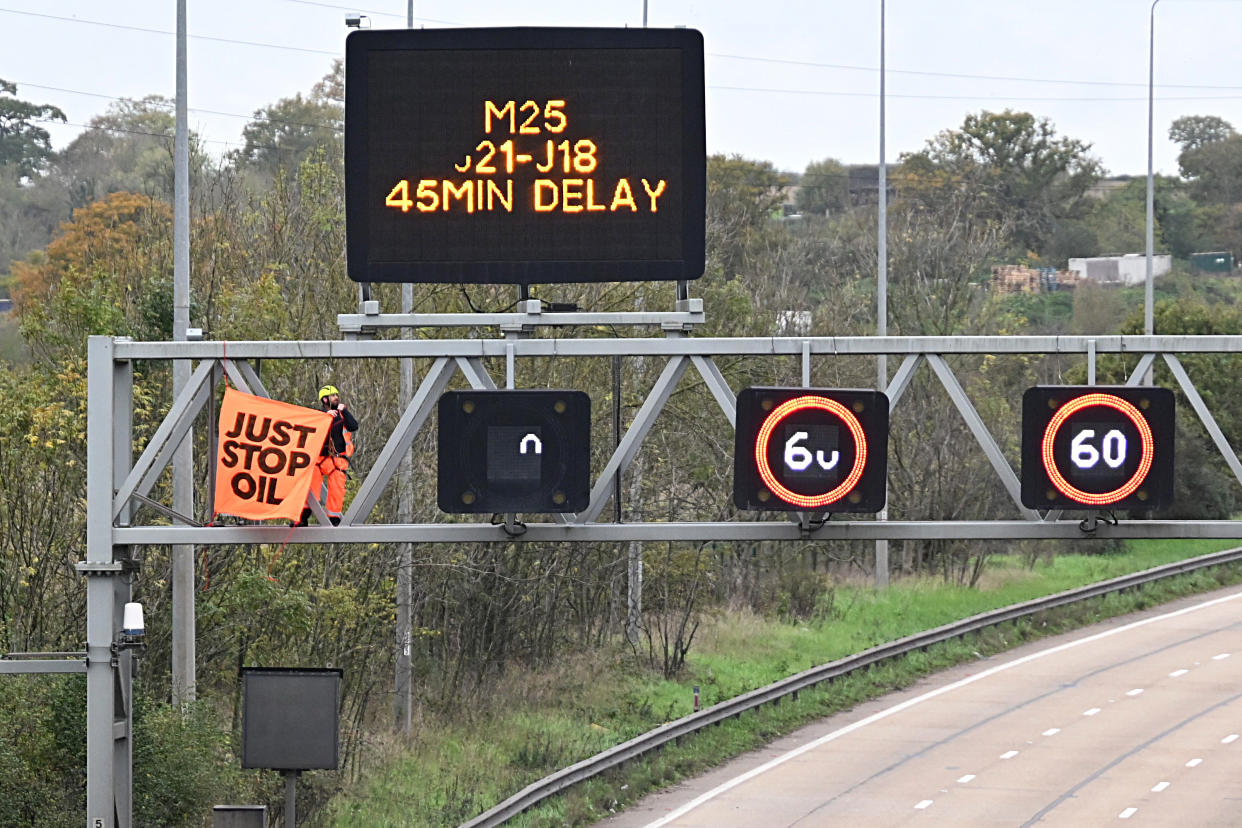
x=881 y=327
x=183 y=624
x=1149 y=325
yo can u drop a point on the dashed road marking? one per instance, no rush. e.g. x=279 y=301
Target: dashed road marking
x=1220 y=657
x=1091 y=712
x=968 y=777
x=1135 y=692
x=926 y=803
x=1177 y=673
x=1127 y=813
x=1009 y=754
x=1159 y=786
x=1232 y=737
x=1194 y=763
x=1052 y=731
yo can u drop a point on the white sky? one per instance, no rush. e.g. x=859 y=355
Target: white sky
x=807 y=89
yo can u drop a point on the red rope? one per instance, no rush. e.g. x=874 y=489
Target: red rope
x=276 y=557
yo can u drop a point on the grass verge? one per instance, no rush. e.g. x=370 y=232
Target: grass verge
x=550 y=719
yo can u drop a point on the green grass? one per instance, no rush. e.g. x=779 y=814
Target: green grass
x=455 y=770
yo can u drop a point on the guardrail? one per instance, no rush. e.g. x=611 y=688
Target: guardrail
x=551 y=785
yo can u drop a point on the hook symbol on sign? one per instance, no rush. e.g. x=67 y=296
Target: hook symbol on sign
x=533 y=441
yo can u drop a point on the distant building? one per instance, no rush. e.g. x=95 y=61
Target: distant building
x=1106 y=186
x=1127 y=270
x=1022 y=279
x=1220 y=261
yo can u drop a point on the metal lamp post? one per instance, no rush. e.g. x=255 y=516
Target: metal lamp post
x=1149 y=324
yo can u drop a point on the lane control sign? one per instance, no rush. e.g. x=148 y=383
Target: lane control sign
x=1097 y=447
x=514 y=451
x=810 y=449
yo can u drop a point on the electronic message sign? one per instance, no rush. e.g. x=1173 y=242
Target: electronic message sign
x=810 y=449
x=524 y=155
x=1102 y=447
x=514 y=451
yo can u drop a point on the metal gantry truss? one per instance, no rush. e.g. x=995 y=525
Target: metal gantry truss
x=118 y=485
x=681 y=354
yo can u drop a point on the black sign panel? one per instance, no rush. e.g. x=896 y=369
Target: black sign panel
x=1097 y=447
x=514 y=451
x=810 y=449
x=291 y=718
x=524 y=155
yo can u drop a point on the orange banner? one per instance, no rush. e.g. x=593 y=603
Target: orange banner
x=263 y=464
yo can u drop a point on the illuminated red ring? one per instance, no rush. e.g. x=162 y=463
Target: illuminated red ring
x=765 y=435
x=1145 y=439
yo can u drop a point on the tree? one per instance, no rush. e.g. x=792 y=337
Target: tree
x=127 y=149
x=285 y=133
x=1214 y=171
x=24 y=147
x=824 y=187
x=105 y=273
x=742 y=196
x=1193 y=131
x=1012 y=166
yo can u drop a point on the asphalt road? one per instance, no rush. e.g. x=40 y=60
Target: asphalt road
x=1134 y=721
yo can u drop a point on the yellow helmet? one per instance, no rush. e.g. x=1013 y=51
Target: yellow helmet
x=328 y=391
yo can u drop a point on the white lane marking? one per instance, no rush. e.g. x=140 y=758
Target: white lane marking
x=1009 y=754
x=926 y=803
x=1127 y=813
x=1194 y=763
x=1091 y=712
x=1159 y=786
x=912 y=702
x=1052 y=731
x=1177 y=673
x=1220 y=657
x=1232 y=737
x=967 y=778
x=1137 y=691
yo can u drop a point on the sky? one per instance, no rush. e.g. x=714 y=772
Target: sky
x=787 y=82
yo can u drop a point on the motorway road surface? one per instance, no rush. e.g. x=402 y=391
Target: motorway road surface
x=1136 y=721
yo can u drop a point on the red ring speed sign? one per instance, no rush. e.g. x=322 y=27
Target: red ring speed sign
x=1146 y=440
x=793 y=406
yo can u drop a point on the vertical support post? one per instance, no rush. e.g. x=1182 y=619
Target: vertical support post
x=881 y=299
x=1090 y=362
x=1149 y=325
x=122 y=590
x=109 y=748
x=291 y=799
x=183 y=656
x=403 y=686
x=634 y=599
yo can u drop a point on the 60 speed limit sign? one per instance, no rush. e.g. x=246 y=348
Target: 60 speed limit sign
x=1097 y=447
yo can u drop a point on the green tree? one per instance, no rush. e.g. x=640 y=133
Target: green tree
x=742 y=197
x=1210 y=159
x=824 y=188
x=129 y=148
x=24 y=146
x=1193 y=131
x=1012 y=167
x=284 y=134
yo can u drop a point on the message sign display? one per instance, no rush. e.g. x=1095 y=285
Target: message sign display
x=514 y=451
x=524 y=155
x=1097 y=447
x=810 y=449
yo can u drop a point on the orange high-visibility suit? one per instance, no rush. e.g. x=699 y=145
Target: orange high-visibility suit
x=332 y=464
